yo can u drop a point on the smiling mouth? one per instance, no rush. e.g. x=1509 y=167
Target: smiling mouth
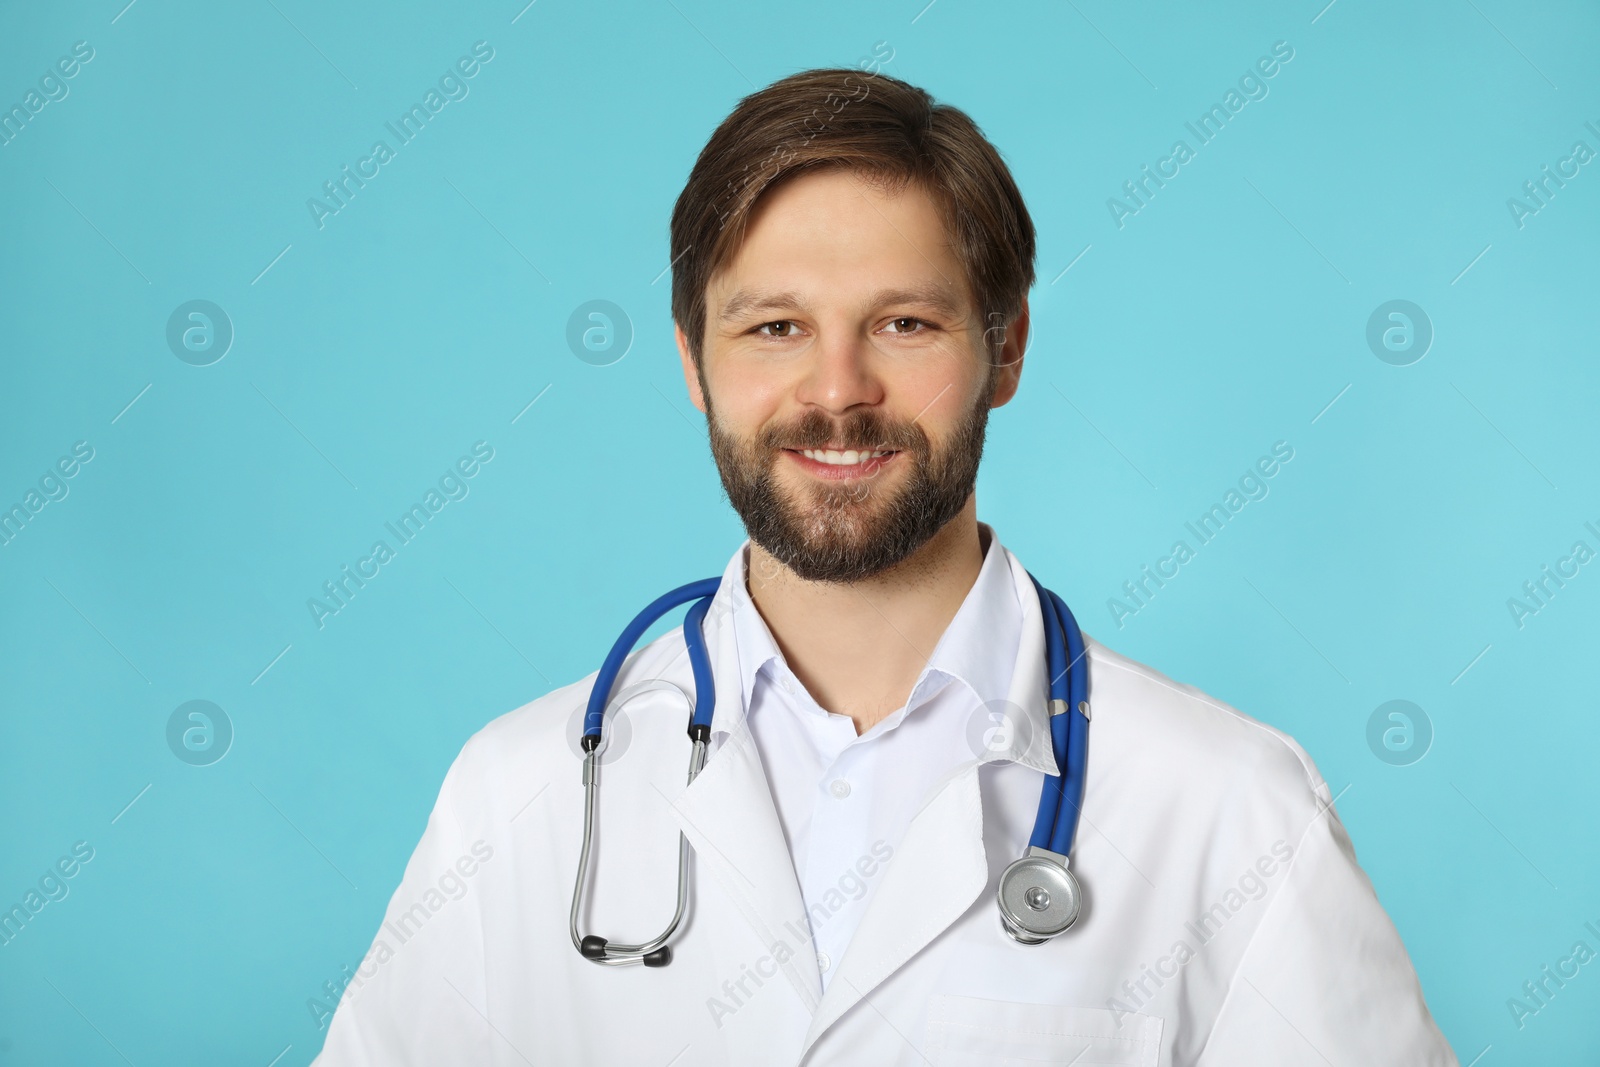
x=842 y=463
x=847 y=458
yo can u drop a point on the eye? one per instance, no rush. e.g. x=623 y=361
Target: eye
x=908 y=324
x=782 y=328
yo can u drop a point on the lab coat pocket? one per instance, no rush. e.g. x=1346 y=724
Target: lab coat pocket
x=968 y=1031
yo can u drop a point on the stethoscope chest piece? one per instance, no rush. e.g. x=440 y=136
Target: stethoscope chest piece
x=1039 y=897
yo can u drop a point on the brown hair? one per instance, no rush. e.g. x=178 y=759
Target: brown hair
x=891 y=134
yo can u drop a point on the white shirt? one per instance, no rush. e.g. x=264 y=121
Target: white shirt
x=837 y=793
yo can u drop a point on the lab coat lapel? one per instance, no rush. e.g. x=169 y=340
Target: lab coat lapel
x=932 y=879
x=728 y=815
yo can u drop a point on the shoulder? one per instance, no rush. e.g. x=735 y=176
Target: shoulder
x=538 y=741
x=1172 y=736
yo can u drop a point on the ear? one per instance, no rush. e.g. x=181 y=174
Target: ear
x=1009 y=371
x=691 y=377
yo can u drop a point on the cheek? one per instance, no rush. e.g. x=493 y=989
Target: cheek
x=940 y=397
x=745 y=397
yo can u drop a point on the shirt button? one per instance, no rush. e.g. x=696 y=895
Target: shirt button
x=840 y=788
x=823 y=962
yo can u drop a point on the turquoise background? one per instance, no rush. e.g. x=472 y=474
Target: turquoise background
x=1229 y=313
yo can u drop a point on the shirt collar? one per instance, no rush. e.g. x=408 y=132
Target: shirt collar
x=1001 y=611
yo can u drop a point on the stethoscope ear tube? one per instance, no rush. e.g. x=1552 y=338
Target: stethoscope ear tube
x=654 y=952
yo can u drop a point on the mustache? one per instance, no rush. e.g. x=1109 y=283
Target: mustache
x=861 y=430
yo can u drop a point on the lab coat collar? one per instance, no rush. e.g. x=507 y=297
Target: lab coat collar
x=1029 y=743
x=1023 y=737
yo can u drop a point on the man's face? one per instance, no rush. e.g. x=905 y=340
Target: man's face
x=845 y=376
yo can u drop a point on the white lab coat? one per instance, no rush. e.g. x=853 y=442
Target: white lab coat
x=1226 y=921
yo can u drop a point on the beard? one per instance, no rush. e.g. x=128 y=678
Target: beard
x=848 y=532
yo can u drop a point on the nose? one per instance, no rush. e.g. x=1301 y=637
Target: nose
x=841 y=374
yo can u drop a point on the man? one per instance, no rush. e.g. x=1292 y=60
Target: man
x=850 y=292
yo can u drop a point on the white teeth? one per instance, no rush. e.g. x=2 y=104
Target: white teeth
x=841 y=459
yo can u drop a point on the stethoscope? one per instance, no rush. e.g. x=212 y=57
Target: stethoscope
x=1039 y=896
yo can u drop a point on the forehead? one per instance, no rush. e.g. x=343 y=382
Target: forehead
x=831 y=235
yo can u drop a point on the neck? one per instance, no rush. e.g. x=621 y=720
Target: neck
x=858 y=647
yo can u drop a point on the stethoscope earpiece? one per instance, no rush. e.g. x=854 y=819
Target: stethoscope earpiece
x=594 y=947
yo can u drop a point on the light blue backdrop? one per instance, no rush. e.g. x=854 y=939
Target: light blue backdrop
x=369 y=353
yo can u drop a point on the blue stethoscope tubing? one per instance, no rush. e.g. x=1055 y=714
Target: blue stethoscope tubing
x=705 y=692
x=1038 y=896
x=1062 y=798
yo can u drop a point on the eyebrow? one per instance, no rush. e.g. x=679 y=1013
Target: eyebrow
x=745 y=301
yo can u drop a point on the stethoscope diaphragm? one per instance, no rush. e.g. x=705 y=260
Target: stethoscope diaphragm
x=1039 y=897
